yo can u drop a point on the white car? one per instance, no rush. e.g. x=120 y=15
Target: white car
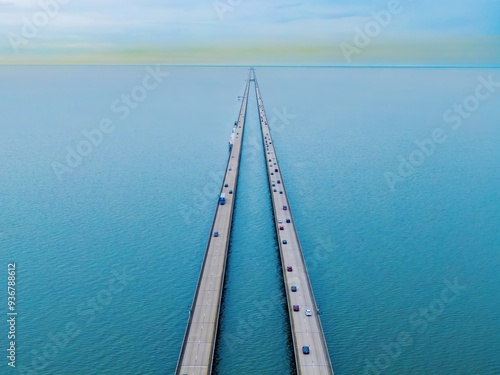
x=308 y=312
x=280 y=221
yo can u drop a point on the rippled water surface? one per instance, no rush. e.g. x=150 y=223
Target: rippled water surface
x=108 y=252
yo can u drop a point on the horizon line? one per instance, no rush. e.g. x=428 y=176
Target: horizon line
x=261 y=66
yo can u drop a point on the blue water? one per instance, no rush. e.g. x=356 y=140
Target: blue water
x=142 y=204
x=254 y=317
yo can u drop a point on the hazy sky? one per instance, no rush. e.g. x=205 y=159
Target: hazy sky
x=234 y=31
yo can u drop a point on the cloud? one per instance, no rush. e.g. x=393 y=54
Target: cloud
x=126 y=23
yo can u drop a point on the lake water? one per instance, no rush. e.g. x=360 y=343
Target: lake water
x=402 y=241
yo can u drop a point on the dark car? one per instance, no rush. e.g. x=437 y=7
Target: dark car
x=289 y=268
x=288 y=220
x=305 y=350
x=275 y=190
x=285 y=242
x=284 y=207
x=296 y=308
x=294 y=288
x=230 y=192
x=281 y=192
x=282 y=227
x=226 y=184
x=279 y=181
x=276 y=170
x=216 y=234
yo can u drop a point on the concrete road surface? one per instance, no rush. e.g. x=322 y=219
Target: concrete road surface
x=306 y=330
x=198 y=347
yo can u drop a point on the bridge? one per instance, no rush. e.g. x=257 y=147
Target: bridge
x=197 y=351
x=310 y=349
x=305 y=323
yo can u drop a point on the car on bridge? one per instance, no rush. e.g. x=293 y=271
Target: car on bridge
x=285 y=242
x=296 y=308
x=308 y=312
x=284 y=207
x=305 y=350
x=289 y=268
x=293 y=288
x=216 y=234
x=282 y=227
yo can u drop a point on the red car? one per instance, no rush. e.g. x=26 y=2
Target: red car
x=282 y=227
x=296 y=308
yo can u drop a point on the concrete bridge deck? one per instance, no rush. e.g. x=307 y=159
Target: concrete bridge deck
x=306 y=330
x=197 y=352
